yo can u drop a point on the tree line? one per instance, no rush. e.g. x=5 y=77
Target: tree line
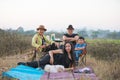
x=106 y=34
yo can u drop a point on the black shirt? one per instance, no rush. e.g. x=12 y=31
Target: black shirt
x=61 y=59
x=71 y=36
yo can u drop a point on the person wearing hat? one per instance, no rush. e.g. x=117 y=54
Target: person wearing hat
x=70 y=36
x=40 y=41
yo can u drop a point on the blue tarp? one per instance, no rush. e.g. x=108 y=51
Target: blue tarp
x=22 y=72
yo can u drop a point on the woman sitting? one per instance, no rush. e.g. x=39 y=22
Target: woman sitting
x=63 y=57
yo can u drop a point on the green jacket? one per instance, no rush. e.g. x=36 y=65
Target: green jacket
x=37 y=41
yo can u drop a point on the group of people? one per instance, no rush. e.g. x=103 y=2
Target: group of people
x=66 y=56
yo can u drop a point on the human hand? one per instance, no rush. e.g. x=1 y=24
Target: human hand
x=43 y=46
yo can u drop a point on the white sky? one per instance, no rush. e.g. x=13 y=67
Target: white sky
x=58 y=14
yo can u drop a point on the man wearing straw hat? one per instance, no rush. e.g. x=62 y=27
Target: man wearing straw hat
x=40 y=41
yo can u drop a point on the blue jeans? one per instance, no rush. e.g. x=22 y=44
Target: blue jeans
x=77 y=54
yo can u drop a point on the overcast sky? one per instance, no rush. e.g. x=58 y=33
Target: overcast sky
x=58 y=14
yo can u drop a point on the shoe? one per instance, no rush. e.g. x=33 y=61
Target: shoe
x=21 y=63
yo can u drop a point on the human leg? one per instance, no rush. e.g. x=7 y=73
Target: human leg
x=76 y=56
x=41 y=63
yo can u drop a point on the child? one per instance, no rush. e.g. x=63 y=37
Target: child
x=79 y=47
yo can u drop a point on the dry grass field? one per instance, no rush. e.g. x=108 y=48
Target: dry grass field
x=103 y=56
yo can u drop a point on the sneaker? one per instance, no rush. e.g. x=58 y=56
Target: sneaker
x=21 y=63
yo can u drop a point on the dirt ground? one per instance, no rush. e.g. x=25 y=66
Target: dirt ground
x=11 y=61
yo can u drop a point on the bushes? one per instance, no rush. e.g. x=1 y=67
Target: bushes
x=104 y=49
x=13 y=43
x=107 y=55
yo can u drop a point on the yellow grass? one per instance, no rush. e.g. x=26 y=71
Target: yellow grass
x=104 y=69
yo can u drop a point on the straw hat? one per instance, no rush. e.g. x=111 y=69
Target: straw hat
x=41 y=27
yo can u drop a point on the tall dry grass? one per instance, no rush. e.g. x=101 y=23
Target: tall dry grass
x=105 y=70
x=13 y=43
x=104 y=57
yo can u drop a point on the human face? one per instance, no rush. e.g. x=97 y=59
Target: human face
x=80 y=41
x=41 y=31
x=68 y=47
x=70 y=31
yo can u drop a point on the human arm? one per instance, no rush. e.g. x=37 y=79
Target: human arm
x=75 y=38
x=52 y=52
x=80 y=48
x=77 y=47
x=50 y=41
x=35 y=41
x=71 y=67
x=47 y=40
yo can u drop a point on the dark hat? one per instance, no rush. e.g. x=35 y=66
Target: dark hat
x=41 y=27
x=70 y=27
